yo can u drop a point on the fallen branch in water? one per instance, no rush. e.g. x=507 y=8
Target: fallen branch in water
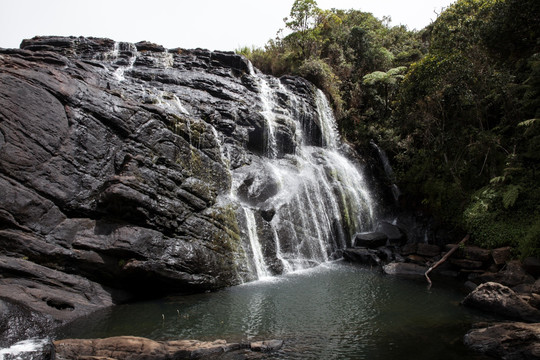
x=445 y=257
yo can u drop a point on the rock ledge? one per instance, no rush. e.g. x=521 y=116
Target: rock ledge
x=131 y=347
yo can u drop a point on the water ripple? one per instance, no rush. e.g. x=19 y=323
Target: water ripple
x=334 y=311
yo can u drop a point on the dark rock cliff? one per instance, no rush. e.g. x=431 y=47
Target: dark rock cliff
x=114 y=159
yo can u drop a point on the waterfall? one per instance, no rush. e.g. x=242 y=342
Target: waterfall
x=120 y=50
x=258 y=258
x=316 y=197
x=297 y=198
x=387 y=170
x=267 y=100
x=328 y=124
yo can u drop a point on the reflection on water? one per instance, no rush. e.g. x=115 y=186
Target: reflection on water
x=335 y=311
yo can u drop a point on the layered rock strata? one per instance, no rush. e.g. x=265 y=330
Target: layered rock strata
x=129 y=170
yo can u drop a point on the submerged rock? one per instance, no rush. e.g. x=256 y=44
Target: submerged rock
x=266 y=345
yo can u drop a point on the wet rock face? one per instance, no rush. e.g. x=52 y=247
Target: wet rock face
x=111 y=179
x=19 y=321
x=126 y=170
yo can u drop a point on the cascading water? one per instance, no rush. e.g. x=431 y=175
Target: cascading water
x=387 y=170
x=258 y=258
x=266 y=96
x=120 y=51
x=297 y=198
x=308 y=202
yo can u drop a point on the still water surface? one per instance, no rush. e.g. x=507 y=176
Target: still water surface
x=334 y=311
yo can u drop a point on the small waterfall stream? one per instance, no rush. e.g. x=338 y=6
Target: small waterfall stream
x=387 y=170
x=258 y=259
x=123 y=49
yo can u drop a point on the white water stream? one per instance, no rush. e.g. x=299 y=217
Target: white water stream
x=258 y=258
x=322 y=197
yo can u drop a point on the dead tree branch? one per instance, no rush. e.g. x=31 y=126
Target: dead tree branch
x=445 y=257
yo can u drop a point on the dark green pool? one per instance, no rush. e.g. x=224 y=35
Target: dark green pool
x=334 y=311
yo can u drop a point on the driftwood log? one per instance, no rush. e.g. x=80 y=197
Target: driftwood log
x=445 y=257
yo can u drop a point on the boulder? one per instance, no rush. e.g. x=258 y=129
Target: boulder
x=532 y=299
x=386 y=254
x=512 y=340
x=63 y=297
x=473 y=253
x=513 y=274
x=362 y=256
x=148 y=46
x=257 y=183
x=409 y=249
x=503 y=301
x=370 y=240
x=532 y=266
x=467 y=264
x=501 y=255
x=428 y=250
x=416 y=259
x=131 y=347
x=405 y=269
x=18 y=321
x=535 y=288
x=33 y=349
x=266 y=345
x=393 y=233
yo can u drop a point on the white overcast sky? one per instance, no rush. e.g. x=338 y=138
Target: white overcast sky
x=210 y=24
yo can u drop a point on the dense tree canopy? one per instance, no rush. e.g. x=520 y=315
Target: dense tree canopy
x=456 y=105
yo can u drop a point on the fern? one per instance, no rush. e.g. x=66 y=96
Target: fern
x=510 y=196
x=528 y=122
x=497 y=180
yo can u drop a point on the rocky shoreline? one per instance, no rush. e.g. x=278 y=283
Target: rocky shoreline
x=115 y=159
x=132 y=348
x=506 y=288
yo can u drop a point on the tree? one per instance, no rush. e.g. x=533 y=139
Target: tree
x=302 y=20
x=385 y=83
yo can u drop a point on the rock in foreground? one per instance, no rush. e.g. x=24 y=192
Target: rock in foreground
x=33 y=349
x=501 y=300
x=404 y=269
x=130 y=347
x=514 y=341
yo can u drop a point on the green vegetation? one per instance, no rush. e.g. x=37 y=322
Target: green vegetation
x=455 y=105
